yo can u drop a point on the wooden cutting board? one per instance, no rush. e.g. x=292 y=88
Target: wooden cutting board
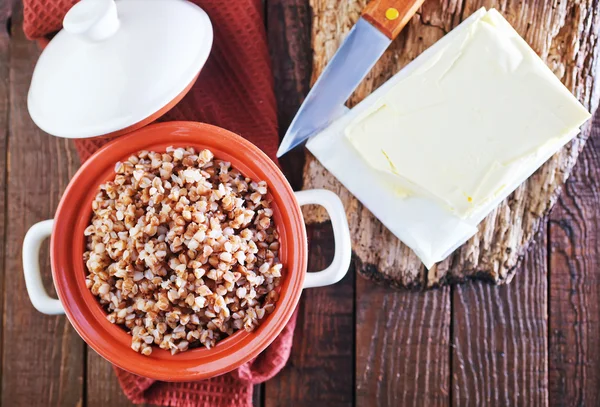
x=564 y=33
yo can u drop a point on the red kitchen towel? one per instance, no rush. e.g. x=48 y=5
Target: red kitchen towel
x=234 y=91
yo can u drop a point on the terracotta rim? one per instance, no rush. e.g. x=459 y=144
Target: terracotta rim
x=86 y=314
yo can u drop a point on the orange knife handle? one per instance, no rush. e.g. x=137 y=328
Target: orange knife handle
x=390 y=16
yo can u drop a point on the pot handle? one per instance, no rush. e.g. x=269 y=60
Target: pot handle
x=341 y=235
x=31 y=268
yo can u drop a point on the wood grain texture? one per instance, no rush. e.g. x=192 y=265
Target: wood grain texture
x=42 y=356
x=257 y=395
x=102 y=386
x=320 y=371
x=574 y=332
x=564 y=34
x=5 y=15
x=288 y=32
x=500 y=338
x=402 y=342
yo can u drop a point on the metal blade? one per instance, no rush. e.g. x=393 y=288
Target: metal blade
x=362 y=47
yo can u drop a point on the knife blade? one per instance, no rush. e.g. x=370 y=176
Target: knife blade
x=380 y=23
x=361 y=49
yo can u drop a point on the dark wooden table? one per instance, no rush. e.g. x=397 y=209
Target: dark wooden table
x=534 y=342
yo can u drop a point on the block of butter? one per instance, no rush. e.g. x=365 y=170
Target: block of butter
x=438 y=146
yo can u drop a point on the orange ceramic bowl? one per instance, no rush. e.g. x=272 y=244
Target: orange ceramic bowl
x=83 y=309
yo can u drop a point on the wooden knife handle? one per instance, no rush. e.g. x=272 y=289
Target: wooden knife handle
x=390 y=16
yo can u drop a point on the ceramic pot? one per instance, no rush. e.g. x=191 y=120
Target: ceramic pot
x=67 y=245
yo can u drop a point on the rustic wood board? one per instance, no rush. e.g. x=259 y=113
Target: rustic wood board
x=320 y=371
x=499 y=331
x=574 y=284
x=402 y=346
x=5 y=12
x=564 y=34
x=42 y=356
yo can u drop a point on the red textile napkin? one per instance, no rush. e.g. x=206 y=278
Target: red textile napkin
x=234 y=91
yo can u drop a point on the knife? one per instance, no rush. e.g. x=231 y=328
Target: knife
x=380 y=22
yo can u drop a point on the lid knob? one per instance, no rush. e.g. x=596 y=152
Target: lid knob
x=93 y=20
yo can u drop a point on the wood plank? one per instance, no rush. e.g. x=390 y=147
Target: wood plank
x=402 y=342
x=5 y=15
x=257 y=395
x=288 y=31
x=102 y=387
x=500 y=338
x=42 y=356
x=563 y=33
x=575 y=284
x=320 y=369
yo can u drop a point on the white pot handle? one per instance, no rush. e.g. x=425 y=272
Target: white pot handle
x=341 y=235
x=31 y=267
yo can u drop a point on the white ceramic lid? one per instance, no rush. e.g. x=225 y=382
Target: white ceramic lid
x=116 y=64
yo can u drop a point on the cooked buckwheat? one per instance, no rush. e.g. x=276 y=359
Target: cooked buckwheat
x=182 y=250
